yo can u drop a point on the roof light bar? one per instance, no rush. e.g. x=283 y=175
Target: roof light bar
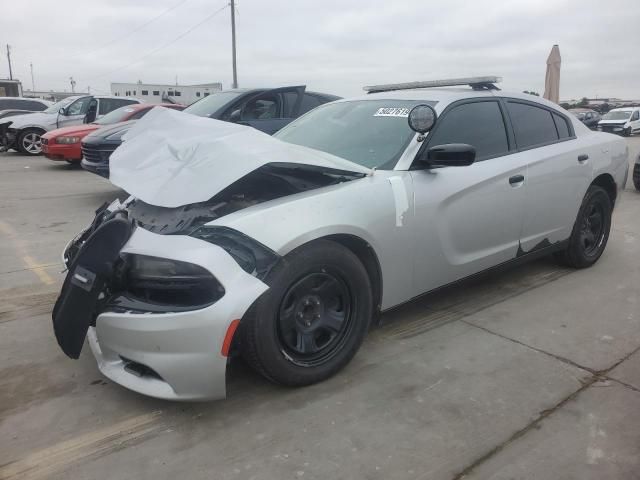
x=477 y=83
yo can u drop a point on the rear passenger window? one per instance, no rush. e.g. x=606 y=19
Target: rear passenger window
x=479 y=124
x=531 y=125
x=562 y=126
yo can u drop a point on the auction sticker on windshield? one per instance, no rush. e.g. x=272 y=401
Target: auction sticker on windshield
x=392 y=112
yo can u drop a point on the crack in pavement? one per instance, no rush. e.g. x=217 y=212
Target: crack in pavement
x=597 y=376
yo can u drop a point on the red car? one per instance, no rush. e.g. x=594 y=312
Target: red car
x=64 y=143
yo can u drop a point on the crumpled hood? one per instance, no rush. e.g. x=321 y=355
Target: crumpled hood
x=36 y=118
x=170 y=158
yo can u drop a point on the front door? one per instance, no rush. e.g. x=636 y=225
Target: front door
x=468 y=218
x=75 y=113
x=271 y=110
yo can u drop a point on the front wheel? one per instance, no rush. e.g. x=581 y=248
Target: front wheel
x=627 y=132
x=313 y=318
x=590 y=231
x=30 y=142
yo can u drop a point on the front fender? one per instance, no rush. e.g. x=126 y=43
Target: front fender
x=378 y=209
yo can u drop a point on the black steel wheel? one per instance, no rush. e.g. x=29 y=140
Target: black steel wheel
x=636 y=175
x=591 y=229
x=313 y=318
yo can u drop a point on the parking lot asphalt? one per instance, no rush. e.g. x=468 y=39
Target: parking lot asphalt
x=533 y=373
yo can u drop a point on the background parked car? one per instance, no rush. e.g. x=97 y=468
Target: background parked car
x=267 y=110
x=64 y=143
x=623 y=121
x=589 y=117
x=10 y=106
x=24 y=132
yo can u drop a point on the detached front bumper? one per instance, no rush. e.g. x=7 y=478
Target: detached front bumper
x=176 y=354
x=8 y=138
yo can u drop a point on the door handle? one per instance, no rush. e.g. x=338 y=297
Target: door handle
x=583 y=158
x=516 y=180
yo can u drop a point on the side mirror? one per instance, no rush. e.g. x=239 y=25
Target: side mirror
x=235 y=116
x=62 y=111
x=451 y=155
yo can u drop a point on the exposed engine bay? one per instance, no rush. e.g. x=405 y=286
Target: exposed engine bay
x=271 y=181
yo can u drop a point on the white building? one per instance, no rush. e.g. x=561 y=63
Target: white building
x=158 y=93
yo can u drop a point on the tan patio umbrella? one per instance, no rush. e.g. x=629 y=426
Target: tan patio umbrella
x=552 y=78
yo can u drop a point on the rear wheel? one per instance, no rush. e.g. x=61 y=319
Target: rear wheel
x=636 y=176
x=313 y=318
x=590 y=231
x=30 y=142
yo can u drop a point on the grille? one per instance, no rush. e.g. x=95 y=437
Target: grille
x=95 y=154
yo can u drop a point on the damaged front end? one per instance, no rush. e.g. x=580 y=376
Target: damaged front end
x=156 y=308
x=152 y=284
x=7 y=137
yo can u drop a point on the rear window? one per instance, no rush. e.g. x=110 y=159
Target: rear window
x=561 y=126
x=532 y=126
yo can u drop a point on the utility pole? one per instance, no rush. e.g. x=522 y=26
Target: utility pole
x=233 y=42
x=33 y=84
x=73 y=84
x=9 y=60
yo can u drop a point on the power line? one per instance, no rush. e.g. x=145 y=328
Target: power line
x=152 y=52
x=127 y=35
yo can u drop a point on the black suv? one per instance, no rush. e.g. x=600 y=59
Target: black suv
x=267 y=110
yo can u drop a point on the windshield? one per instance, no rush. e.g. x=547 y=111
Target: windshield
x=617 y=115
x=579 y=115
x=212 y=103
x=372 y=133
x=61 y=104
x=118 y=115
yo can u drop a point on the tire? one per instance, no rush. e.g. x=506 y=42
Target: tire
x=280 y=332
x=591 y=230
x=626 y=132
x=636 y=176
x=29 y=142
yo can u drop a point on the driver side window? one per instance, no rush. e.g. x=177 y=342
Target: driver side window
x=262 y=108
x=478 y=124
x=79 y=107
x=635 y=116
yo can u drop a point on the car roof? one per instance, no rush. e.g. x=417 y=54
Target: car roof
x=140 y=106
x=445 y=96
x=27 y=98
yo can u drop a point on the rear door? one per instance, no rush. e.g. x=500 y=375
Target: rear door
x=107 y=105
x=558 y=172
x=468 y=218
x=271 y=110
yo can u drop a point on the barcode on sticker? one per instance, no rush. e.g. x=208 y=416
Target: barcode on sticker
x=392 y=112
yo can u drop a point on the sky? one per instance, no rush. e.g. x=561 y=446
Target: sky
x=333 y=46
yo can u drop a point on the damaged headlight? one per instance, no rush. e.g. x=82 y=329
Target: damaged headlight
x=166 y=281
x=252 y=256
